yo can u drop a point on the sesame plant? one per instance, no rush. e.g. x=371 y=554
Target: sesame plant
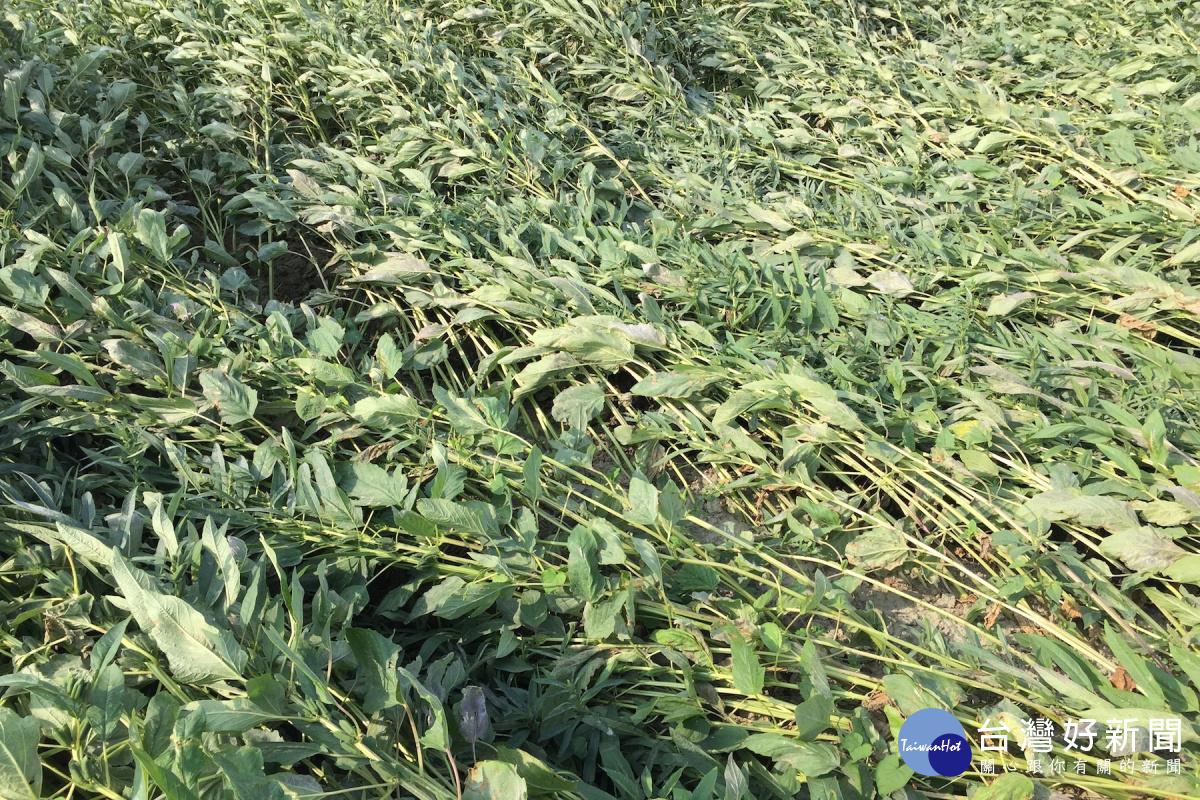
x=594 y=398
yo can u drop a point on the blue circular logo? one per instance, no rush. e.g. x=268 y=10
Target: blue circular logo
x=933 y=742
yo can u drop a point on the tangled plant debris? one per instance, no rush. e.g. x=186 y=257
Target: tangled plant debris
x=594 y=398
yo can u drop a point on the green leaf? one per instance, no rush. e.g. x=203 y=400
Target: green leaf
x=1003 y=305
x=909 y=697
x=582 y=569
x=1186 y=569
x=539 y=776
x=79 y=541
x=748 y=673
x=377 y=657
x=397 y=269
x=43 y=332
x=891 y=774
x=577 y=405
x=812 y=758
x=1167 y=513
x=236 y=715
x=217 y=543
x=374 y=486
x=20 y=766
x=531 y=474
x=991 y=142
x=242 y=769
x=468 y=517
x=326 y=372
x=878 y=549
x=464 y=417
x=1187 y=255
x=151 y=231
x=386 y=411
x=611 y=540
x=814 y=716
x=269 y=207
x=144 y=363
x=600 y=618
x=25 y=288
x=1137 y=667
x=891 y=283
x=1093 y=511
x=106 y=701
x=1009 y=786
x=166 y=780
x=118 y=250
x=495 y=780
x=197 y=651
x=669 y=384
x=735 y=406
x=236 y=402
x=310 y=403
x=643 y=499
x=454 y=598
x=437 y=733
x=108 y=645
x=1141 y=548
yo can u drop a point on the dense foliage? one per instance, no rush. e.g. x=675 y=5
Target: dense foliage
x=590 y=398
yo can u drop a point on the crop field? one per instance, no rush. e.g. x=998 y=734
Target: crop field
x=598 y=399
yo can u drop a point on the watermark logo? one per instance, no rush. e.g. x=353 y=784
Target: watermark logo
x=933 y=742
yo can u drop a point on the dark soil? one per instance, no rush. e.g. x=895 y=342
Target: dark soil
x=299 y=271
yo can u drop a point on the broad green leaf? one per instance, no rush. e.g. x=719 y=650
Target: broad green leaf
x=326 y=372
x=600 y=618
x=375 y=486
x=106 y=701
x=1003 y=305
x=1009 y=786
x=537 y=774
x=748 y=673
x=531 y=474
x=669 y=384
x=20 y=766
x=151 y=231
x=1092 y=511
x=91 y=549
x=144 y=363
x=107 y=646
x=891 y=283
x=468 y=517
x=494 y=780
x=811 y=758
x=437 y=733
x=582 y=569
x=813 y=716
x=269 y=207
x=991 y=142
x=197 y=651
x=454 y=598
x=464 y=416
x=1142 y=548
x=386 y=411
x=577 y=405
x=236 y=715
x=236 y=401
x=909 y=696
x=891 y=774
x=27 y=289
x=377 y=657
x=735 y=406
x=1186 y=569
x=878 y=549
x=643 y=499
